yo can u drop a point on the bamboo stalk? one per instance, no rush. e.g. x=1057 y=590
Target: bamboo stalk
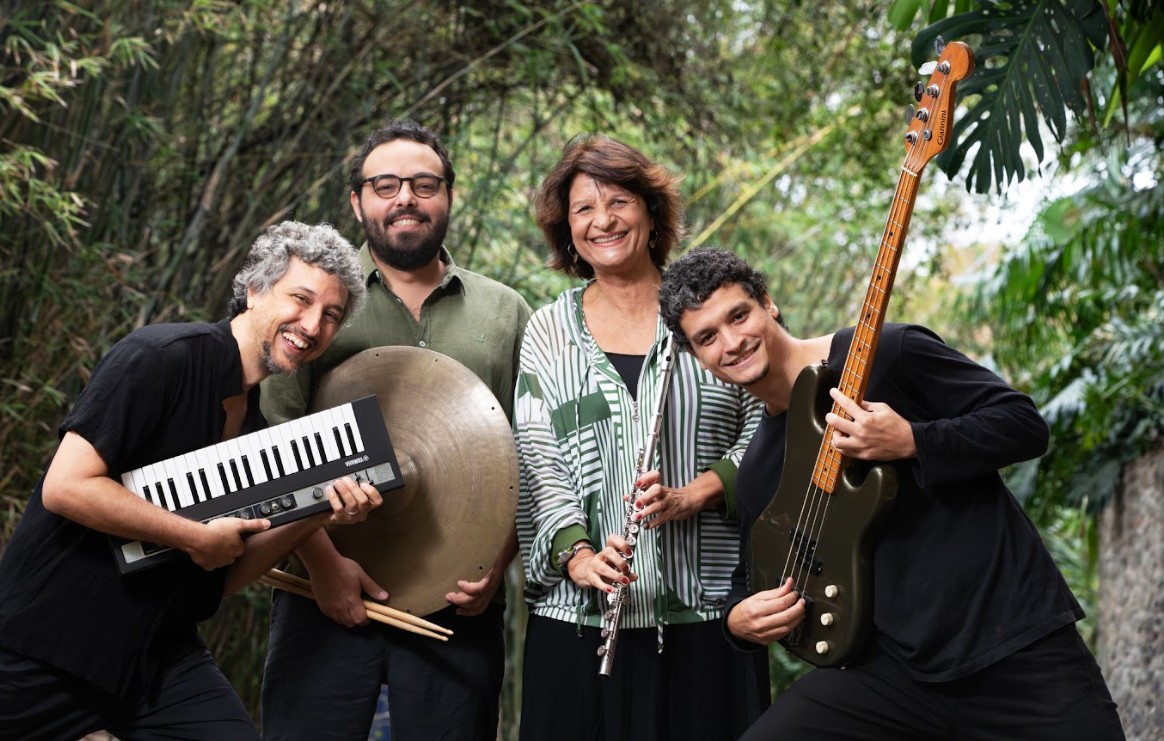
x=375 y=611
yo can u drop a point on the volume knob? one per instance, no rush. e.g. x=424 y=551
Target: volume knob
x=822 y=647
x=831 y=591
x=826 y=618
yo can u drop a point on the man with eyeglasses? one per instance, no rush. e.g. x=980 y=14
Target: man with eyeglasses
x=325 y=663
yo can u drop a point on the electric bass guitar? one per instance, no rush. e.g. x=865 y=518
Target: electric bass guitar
x=820 y=526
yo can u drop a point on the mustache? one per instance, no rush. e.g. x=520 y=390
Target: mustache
x=403 y=212
x=294 y=329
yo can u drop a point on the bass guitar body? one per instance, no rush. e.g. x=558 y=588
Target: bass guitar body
x=828 y=558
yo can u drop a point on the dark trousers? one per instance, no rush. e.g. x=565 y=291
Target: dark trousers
x=698 y=688
x=191 y=699
x=1051 y=689
x=322 y=680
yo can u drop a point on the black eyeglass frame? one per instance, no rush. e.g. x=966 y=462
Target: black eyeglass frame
x=401 y=181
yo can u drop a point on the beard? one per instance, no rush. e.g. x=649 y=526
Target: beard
x=407 y=251
x=272 y=366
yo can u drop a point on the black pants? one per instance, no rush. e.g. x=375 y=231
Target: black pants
x=1051 y=689
x=322 y=680
x=191 y=699
x=698 y=688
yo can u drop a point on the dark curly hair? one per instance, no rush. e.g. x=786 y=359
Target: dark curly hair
x=612 y=162
x=693 y=277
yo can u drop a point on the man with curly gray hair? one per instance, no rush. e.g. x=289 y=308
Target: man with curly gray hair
x=134 y=664
x=321 y=246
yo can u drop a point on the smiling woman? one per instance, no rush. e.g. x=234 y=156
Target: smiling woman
x=589 y=361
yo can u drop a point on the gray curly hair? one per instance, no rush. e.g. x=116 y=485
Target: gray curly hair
x=321 y=246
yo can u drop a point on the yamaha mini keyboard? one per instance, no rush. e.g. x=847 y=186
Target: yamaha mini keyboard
x=278 y=473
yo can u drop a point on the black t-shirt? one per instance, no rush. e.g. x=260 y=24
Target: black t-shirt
x=961 y=576
x=157 y=393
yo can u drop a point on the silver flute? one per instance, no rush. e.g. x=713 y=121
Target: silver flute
x=630 y=528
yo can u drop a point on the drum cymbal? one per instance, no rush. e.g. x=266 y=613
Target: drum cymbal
x=457 y=457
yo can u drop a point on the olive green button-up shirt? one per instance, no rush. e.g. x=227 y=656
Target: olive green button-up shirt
x=473 y=319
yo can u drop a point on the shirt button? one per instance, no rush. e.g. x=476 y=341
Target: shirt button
x=422 y=344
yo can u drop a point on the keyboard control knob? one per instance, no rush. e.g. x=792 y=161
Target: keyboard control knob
x=265 y=508
x=288 y=502
x=317 y=493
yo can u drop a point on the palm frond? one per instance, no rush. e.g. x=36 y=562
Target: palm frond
x=1033 y=60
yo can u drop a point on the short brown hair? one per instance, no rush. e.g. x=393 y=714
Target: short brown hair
x=612 y=162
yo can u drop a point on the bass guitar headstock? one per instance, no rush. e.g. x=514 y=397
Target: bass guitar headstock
x=931 y=125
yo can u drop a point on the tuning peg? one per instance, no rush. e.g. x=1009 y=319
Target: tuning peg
x=939 y=45
x=918 y=91
x=908 y=115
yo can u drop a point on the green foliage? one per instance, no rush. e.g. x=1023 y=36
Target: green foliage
x=1072 y=537
x=143 y=146
x=53 y=284
x=1078 y=308
x=1033 y=60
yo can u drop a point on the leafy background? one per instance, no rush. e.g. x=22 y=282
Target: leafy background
x=144 y=144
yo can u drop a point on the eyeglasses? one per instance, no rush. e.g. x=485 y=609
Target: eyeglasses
x=387 y=186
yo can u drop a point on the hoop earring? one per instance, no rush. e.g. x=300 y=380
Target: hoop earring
x=572 y=251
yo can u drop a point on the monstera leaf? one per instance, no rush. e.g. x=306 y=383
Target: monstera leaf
x=1033 y=58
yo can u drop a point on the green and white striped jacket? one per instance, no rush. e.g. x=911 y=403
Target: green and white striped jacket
x=579 y=434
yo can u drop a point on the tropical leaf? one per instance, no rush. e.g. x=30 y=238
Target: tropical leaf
x=1033 y=58
x=1078 y=310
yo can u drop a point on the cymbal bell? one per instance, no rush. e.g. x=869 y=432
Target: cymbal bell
x=457 y=457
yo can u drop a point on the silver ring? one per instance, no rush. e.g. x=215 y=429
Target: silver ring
x=352 y=512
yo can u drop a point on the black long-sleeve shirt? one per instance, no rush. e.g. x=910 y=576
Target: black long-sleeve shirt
x=961 y=576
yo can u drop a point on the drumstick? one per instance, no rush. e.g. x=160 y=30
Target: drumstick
x=371 y=615
x=377 y=612
x=377 y=617
x=384 y=610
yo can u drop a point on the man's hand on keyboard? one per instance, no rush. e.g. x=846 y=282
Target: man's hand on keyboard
x=350 y=501
x=223 y=541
